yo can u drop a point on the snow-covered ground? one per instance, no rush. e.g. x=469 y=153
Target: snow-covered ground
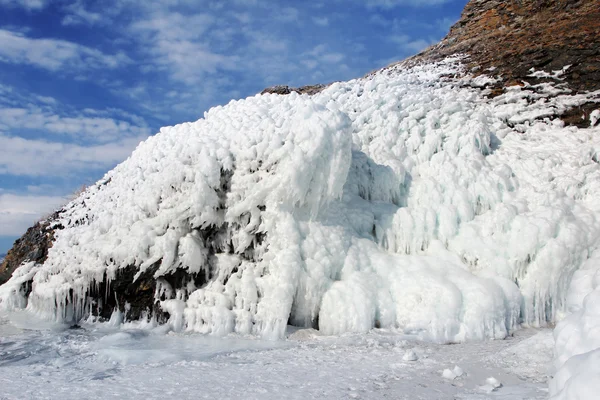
x=106 y=362
x=406 y=201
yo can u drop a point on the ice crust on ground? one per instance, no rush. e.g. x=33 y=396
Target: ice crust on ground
x=405 y=200
x=107 y=362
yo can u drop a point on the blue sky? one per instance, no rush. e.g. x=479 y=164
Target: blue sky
x=83 y=82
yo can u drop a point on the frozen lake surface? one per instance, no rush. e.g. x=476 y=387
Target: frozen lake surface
x=42 y=361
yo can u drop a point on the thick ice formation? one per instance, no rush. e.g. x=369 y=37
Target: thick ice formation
x=405 y=200
x=577 y=338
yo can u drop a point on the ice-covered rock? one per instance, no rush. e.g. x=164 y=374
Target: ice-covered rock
x=410 y=355
x=453 y=373
x=491 y=385
x=406 y=200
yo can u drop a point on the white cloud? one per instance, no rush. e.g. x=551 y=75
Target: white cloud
x=387 y=4
x=24 y=157
x=332 y=58
x=323 y=56
x=445 y=24
x=310 y=64
x=377 y=19
x=175 y=41
x=174 y=26
x=54 y=54
x=248 y=3
x=81 y=127
x=41 y=189
x=410 y=45
x=245 y=41
x=244 y=18
x=263 y=43
x=321 y=21
x=287 y=14
x=46 y=100
x=19 y=212
x=78 y=15
x=21 y=110
x=417 y=45
x=26 y=4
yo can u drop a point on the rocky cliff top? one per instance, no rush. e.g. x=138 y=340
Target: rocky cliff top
x=512 y=39
x=508 y=38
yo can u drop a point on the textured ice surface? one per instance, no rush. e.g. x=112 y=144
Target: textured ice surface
x=405 y=200
x=577 y=345
x=103 y=362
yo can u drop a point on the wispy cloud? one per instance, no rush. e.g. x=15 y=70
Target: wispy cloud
x=177 y=44
x=77 y=14
x=26 y=4
x=444 y=24
x=287 y=14
x=387 y=4
x=80 y=127
x=410 y=45
x=18 y=212
x=62 y=142
x=25 y=157
x=321 y=21
x=243 y=17
x=321 y=54
x=54 y=54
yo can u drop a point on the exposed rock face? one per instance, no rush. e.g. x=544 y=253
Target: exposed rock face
x=283 y=89
x=509 y=38
x=514 y=36
x=32 y=246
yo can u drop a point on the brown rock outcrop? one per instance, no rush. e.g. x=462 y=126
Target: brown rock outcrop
x=514 y=36
x=32 y=246
x=509 y=39
x=283 y=89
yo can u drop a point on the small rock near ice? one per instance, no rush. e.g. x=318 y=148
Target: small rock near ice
x=491 y=385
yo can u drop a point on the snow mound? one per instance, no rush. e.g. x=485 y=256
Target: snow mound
x=406 y=200
x=577 y=338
